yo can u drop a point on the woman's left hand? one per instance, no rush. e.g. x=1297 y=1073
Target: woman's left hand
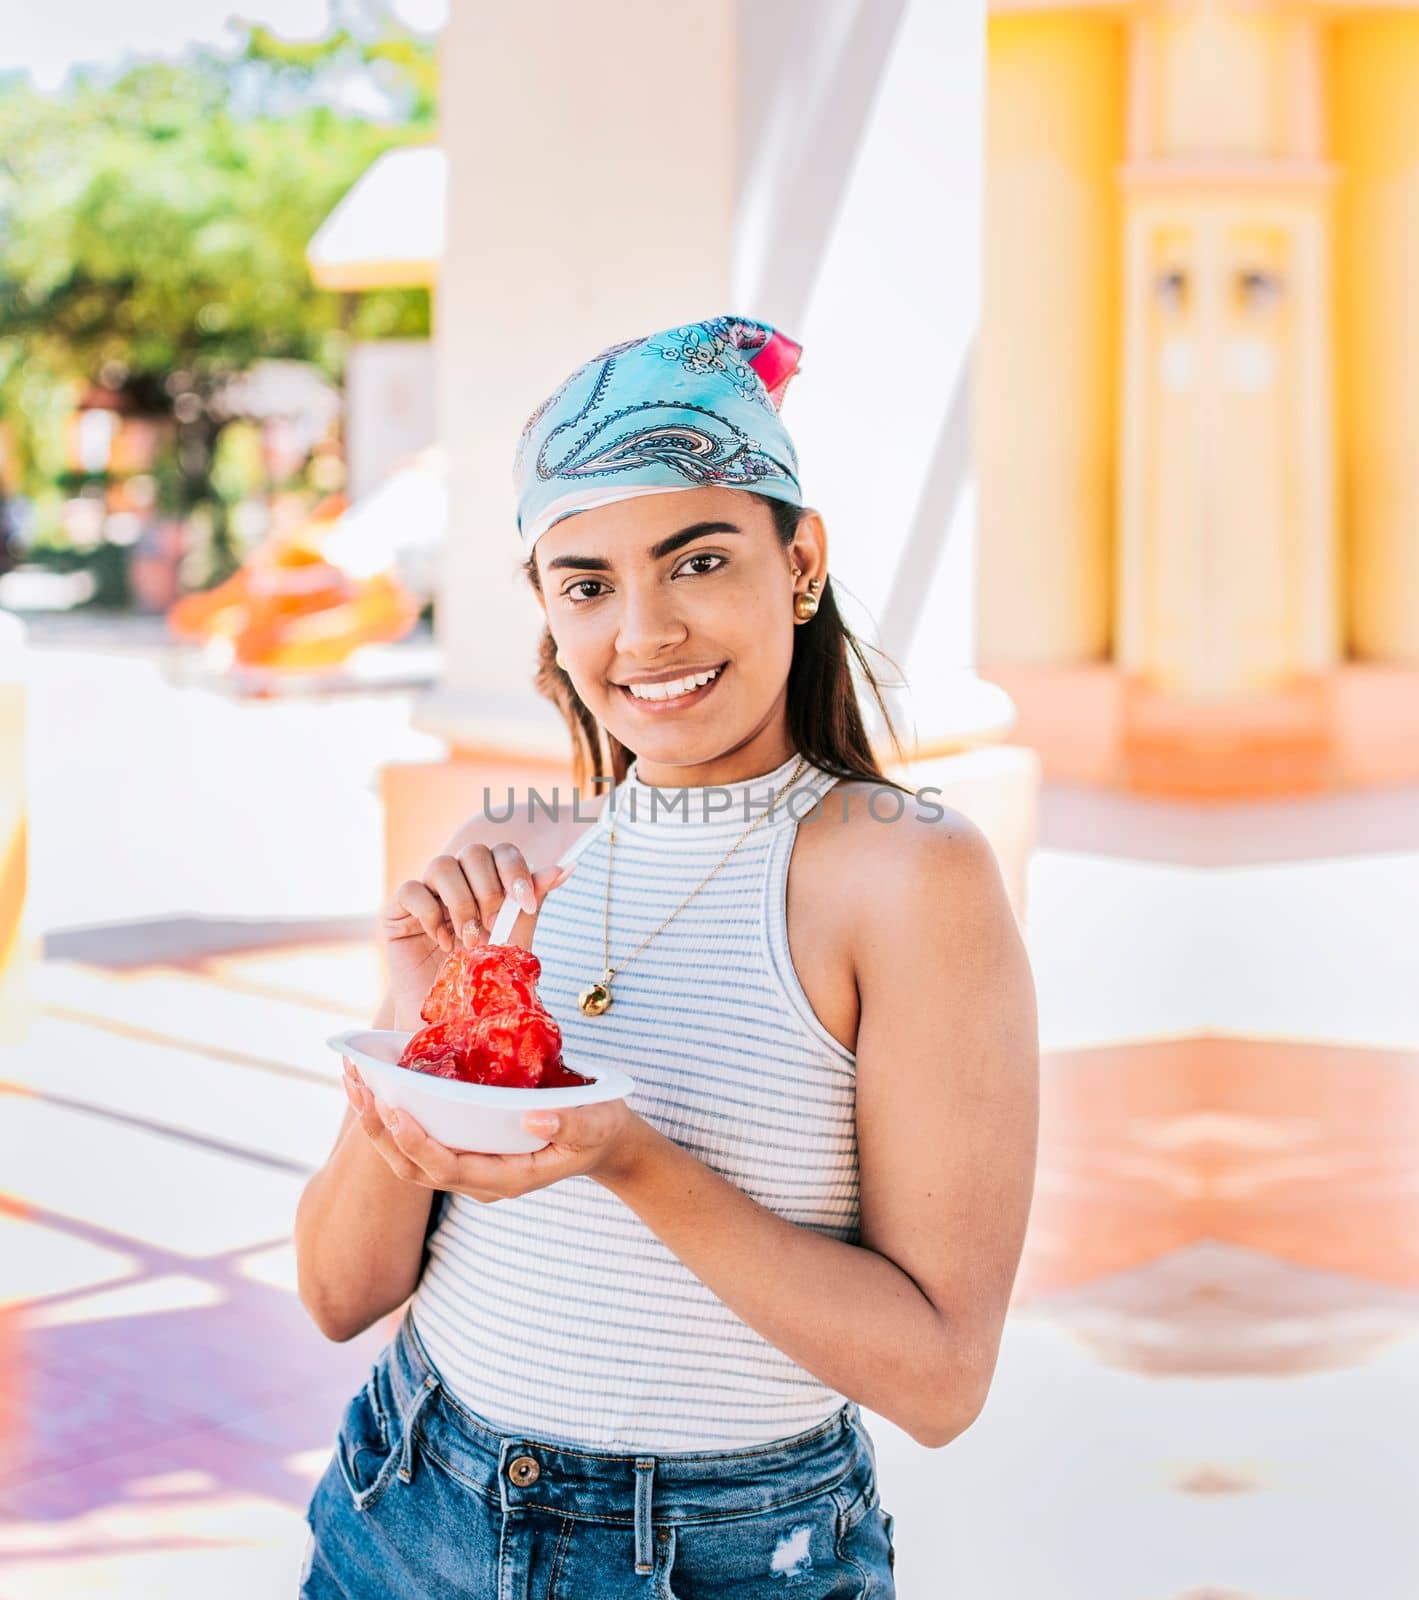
x=593 y=1141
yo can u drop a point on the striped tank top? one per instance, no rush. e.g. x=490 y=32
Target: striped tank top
x=559 y=1313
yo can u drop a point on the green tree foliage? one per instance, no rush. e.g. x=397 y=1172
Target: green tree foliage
x=153 y=223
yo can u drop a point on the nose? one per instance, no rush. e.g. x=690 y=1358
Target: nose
x=648 y=623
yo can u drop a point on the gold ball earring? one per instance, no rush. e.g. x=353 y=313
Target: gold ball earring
x=561 y=661
x=806 y=605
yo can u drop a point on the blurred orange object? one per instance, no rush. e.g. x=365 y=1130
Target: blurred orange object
x=322 y=626
x=290 y=608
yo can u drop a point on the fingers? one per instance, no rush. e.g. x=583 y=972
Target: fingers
x=482 y=880
x=417 y=1157
x=372 y=1125
x=360 y=1099
x=434 y=1161
x=516 y=874
x=459 y=897
x=574 y=1127
x=482 y=872
x=502 y=874
x=415 y=901
x=456 y=880
x=427 y=1161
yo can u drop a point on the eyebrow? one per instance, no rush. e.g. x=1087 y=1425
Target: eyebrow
x=664 y=547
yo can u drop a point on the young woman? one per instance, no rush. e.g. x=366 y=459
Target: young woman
x=633 y=1362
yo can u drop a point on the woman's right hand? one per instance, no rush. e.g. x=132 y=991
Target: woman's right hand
x=455 y=903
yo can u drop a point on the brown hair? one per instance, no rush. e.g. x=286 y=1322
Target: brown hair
x=824 y=717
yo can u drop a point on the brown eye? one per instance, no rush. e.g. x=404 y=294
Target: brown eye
x=706 y=555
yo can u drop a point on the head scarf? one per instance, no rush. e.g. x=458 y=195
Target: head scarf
x=686 y=408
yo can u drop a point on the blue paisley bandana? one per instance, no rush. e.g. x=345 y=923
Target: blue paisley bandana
x=693 y=406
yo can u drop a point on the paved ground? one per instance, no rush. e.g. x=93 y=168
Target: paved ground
x=1207 y=1384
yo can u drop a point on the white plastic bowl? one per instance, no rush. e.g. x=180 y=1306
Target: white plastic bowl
x=480 y=1117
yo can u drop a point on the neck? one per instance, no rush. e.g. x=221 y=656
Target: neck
x=763 y=752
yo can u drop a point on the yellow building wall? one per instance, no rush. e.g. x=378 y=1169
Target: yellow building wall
x=1375 y=72
x=1045 y=377
x=1226 y=552
x=1227 y=563
x=1216 y=81
x=1265 y=522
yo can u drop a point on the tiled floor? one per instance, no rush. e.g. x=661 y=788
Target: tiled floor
x=1208 y=1383
x=170 y=1402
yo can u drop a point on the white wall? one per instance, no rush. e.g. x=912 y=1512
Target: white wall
x=859 y=230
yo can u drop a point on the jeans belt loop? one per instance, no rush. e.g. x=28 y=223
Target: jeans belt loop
x=406 y=1454
x=645 y=1473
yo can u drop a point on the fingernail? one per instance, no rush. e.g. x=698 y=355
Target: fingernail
x=522 y=890
x=471 y=931
x=543 y=1122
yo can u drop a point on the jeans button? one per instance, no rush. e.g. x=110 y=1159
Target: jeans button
x=524 y=1470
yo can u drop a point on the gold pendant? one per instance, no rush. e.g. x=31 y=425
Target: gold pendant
x=594 y=1001
x=597 y=998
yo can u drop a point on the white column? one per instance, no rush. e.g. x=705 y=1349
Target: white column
x=591 y=179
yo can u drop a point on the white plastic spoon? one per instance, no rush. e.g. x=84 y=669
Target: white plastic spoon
x=502 y=923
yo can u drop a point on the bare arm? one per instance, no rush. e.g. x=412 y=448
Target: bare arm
x=359 y=1229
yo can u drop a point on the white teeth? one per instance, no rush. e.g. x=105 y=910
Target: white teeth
x=668 y=691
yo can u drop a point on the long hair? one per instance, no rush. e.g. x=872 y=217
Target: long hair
x=824 y=717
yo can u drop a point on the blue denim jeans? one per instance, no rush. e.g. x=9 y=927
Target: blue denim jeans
x=422 y=1497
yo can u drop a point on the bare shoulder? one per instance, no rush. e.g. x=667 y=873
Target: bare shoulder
x=886 y=847
x=891 y=879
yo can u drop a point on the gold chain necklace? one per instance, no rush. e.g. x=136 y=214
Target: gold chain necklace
x=597 y=998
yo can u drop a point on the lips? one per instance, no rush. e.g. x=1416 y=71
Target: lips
x=693 y=697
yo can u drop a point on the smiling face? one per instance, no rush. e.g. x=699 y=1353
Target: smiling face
x=674 y=613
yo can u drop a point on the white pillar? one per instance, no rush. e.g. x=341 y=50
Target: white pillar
x=591 y=181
